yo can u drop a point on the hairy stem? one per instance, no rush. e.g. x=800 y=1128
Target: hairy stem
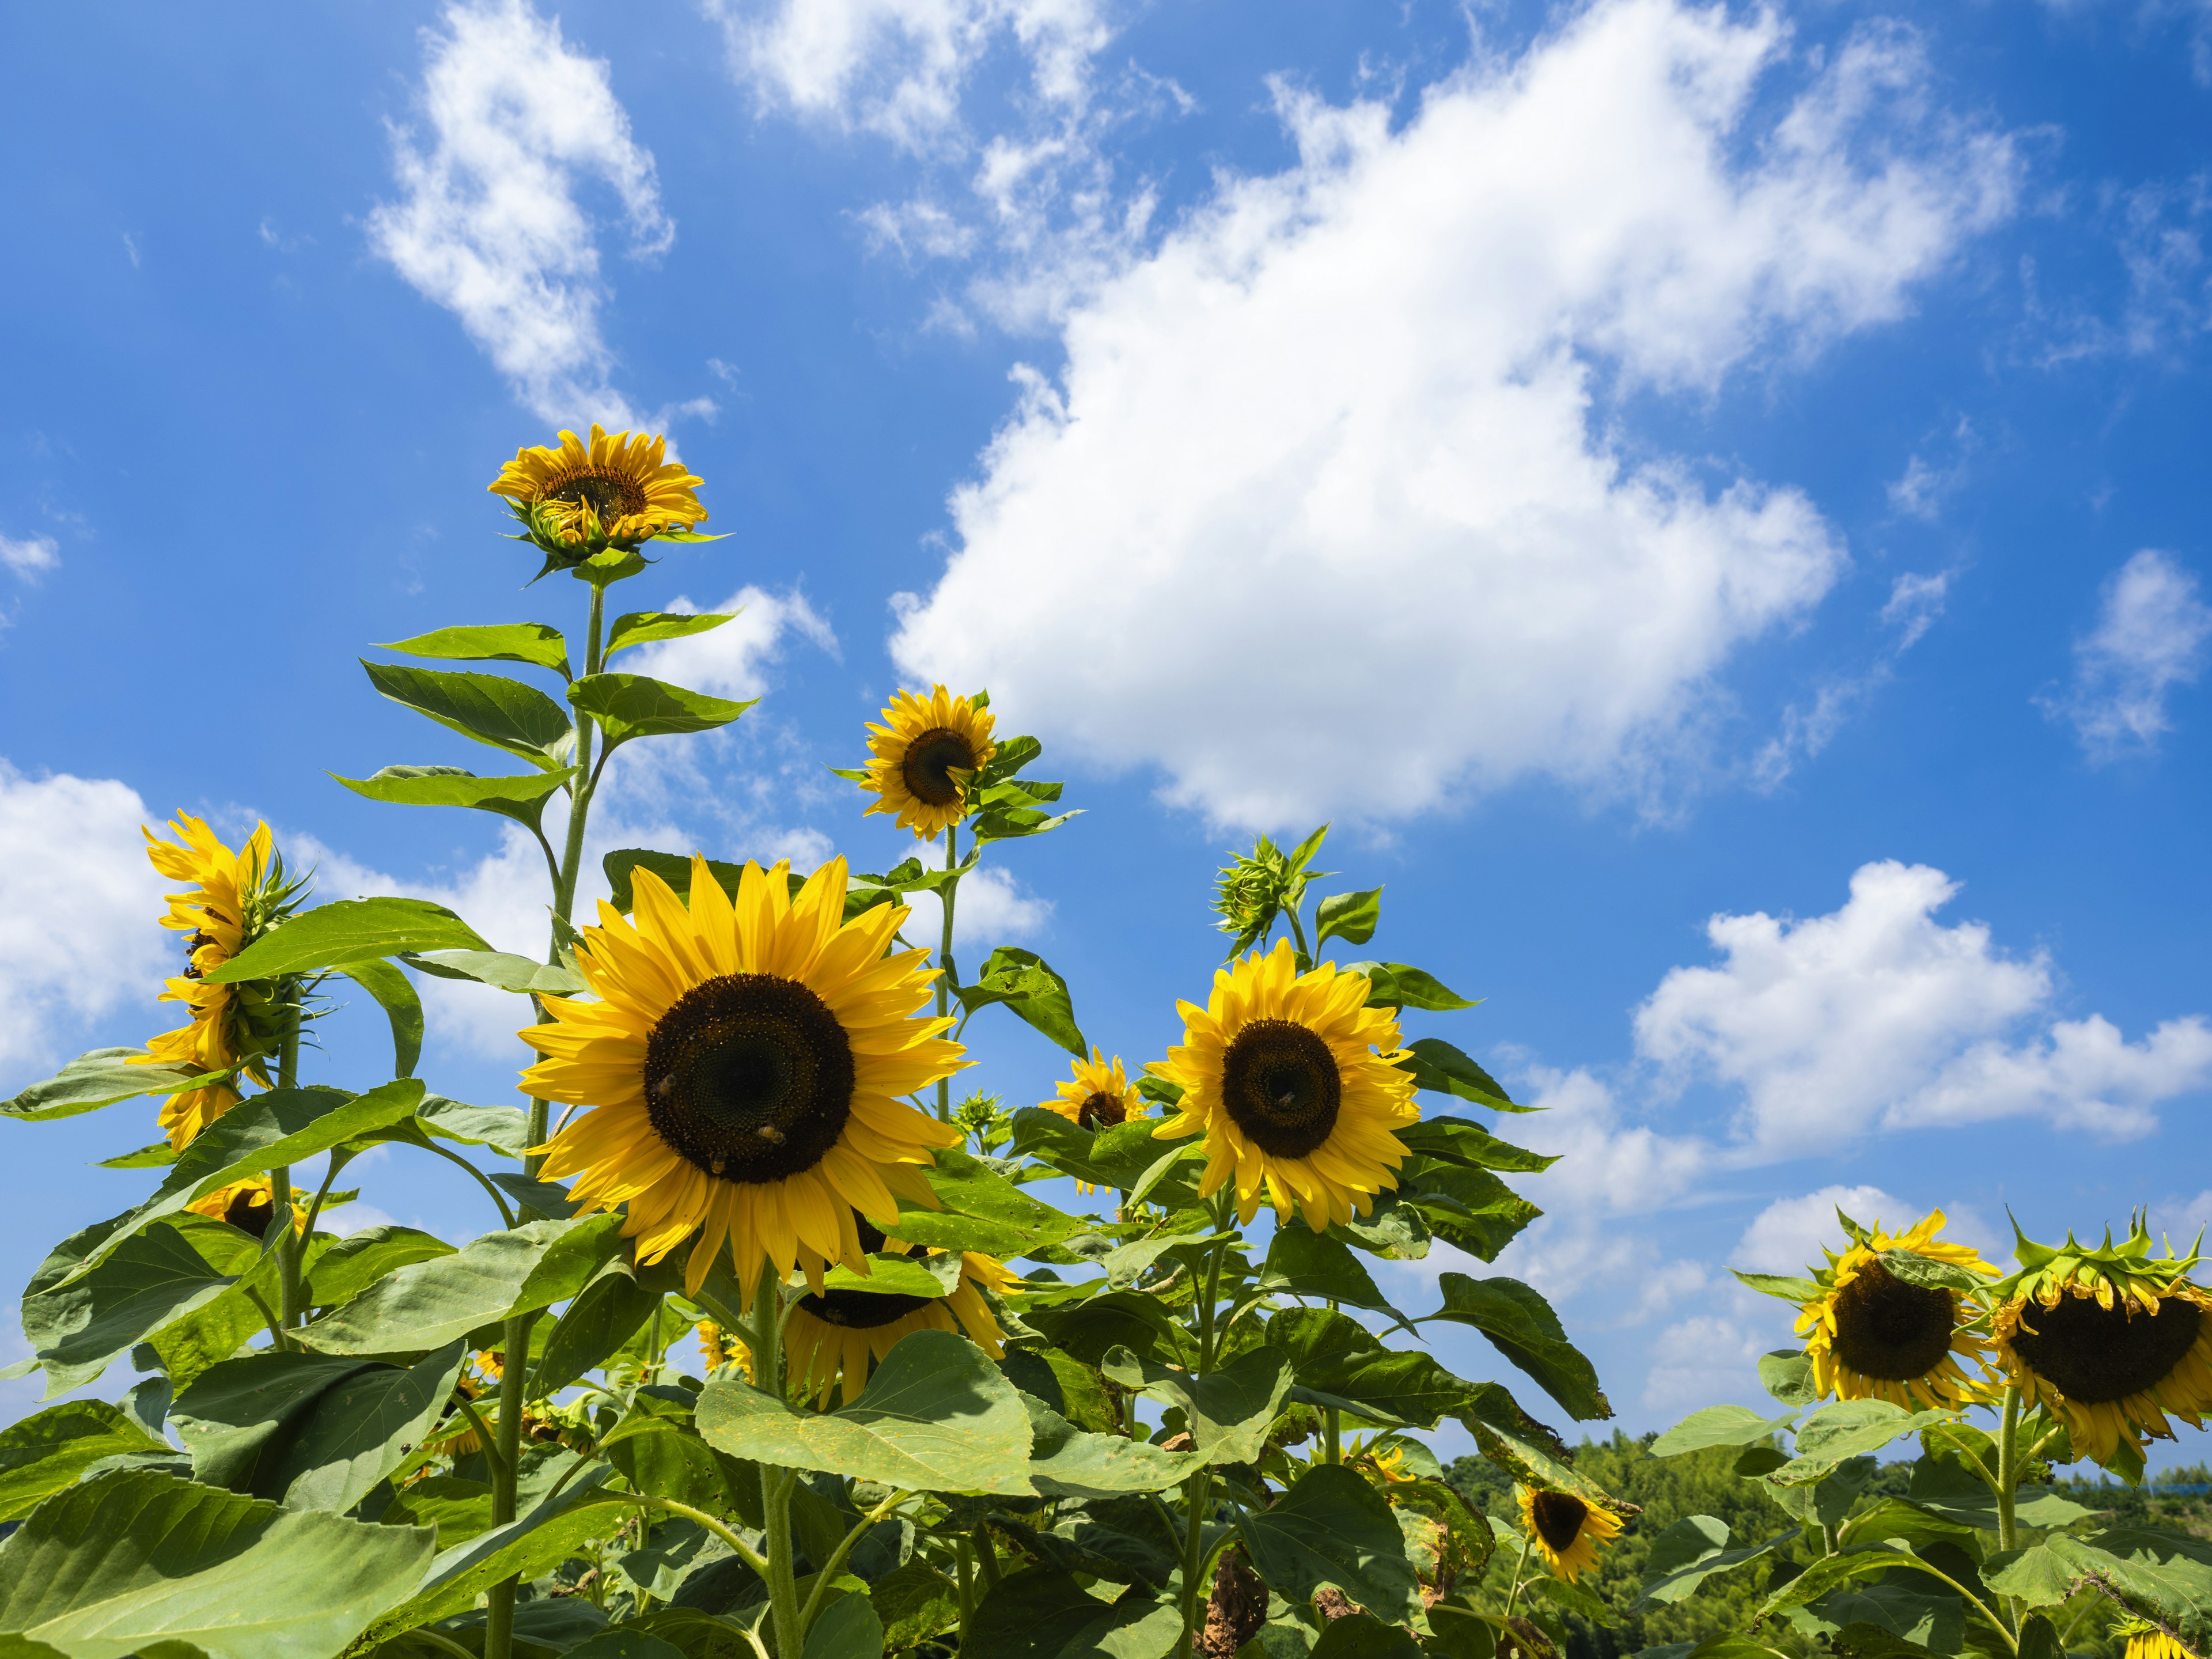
x=1520 y=1567
x=2008 y=1481
x=1196 y=1492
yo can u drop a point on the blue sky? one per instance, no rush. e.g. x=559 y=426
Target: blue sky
x=1711 y=504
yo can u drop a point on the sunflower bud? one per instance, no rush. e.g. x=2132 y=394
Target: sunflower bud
x=1256 y=887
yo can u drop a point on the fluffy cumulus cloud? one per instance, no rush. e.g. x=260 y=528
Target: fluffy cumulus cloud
x=491 y=223
x=732 y=660
x=2152 y=627
x=1334 y=525
x=83 y=903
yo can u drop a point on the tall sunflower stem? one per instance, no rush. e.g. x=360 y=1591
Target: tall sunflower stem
x=2009 y=1474
x=1519 y=1568
x=944 y=979
x=964 y=1559
x=1196 y=1493
x=289 y=1303
x=764 y=1336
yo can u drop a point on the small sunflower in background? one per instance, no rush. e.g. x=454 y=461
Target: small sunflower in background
x=717 y=1349
x=745 y=1059
x=1290 y=1077
x=2111 y=1340
x=1872 y=1336
x=580 y=497
x=234 y=898
x=922 y=758
x=835 y=1336
x=1098 y=1097
x=247 y=1205
x=1568 y=1532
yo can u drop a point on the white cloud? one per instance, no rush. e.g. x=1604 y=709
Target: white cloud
x=2151 y=630
x=1915 y=602
x=1805 y=728
x=1699 y=1360
x=1335 y=529
x=1788 y=1235
x=31 y=558
x=991 y=910
x=84 y=904
x=730 y=661
x=491 y=225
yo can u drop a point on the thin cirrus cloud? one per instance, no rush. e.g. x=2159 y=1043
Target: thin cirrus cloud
x=490 y=223
x=1343 y=416
x=31 y=556
x=2150 y=638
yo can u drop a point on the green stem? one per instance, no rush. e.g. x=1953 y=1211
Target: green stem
x=279 y=1178
x=765 y=1338
x=2007 y=1483
x=507 y=1217
x=821 y=1590
x=944 y=982
x=484 y=1432
x=1298 y=935
x=579 y=786
x=1976 y=1602
x=1196 y=1492
x=1519 y=1567
x=744 y=1552
x=986 y=1557
x=424 y=1633
x=963 y=1560
x=514 y=1379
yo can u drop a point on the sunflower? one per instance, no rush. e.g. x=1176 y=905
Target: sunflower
x=920 y=760
x=234 y=898
x=2109 y=1339
x=745 y=1059
x=247 y=1204
x=1098 y=1097
x=717 y=1349
x=1872 y=1336
x=617 y=490
x=1567 y=1532
x=835 y=1336
x=2149 y=1641
x=1281 y=1071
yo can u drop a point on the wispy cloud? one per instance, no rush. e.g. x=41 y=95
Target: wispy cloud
x=2150 y=636
x=32 y=556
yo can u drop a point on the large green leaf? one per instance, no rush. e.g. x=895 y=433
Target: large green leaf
x=521 y=798
x=1303 y=1262
x=349 y=931
x=310 y=1431
x=2166 y=1576
x=1038 y=1613
x=78 y=1327
x=1844 y=1429
x=1227 y=1413
x=1351 y=917
x=1331 y=1528
x=1407 y=1385
x=358 y=1260
x=100 y=1079
x=644 y=626
x=982 y=1211
x=1363 y=1635
x=1720 y=1425
x=503 y=1128
x=936 y=1416
x=503 y=713
x=285 y=1126
x=1831 y=1573
x=622 y=865
x=402 y=1007
x=628 y=706
x=503 y=969
x=495 y=1277
x=1394 y=985
x=42 y=1454
x=1066 y=1462
x=535 y=643
x=1134 y=1320
x=1692 y=1551
x=1521 y=1325
x=914 y=1601
x=605 y=1314
x=847 y=1628
x=140 y=1562
x=1462 y=1140
x=1464 y=1204
x=1032 y=989
x=1438 y=1066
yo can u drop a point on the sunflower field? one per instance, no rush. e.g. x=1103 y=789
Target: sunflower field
x=777 y=1351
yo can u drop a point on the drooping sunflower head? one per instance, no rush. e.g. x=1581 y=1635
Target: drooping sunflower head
x=1871 y=1335
x=1293 y=1080
x=746 y=1058
x=2111 y=1339
x=580 y=497
x=248 y=1205
x=1565 y=1530
x=922 y=758
x=834 y=1337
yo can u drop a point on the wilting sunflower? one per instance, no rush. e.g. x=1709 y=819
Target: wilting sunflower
x=835 y=1336
x=746 y=1060
x=615 y=491
x=920 y=756
x=1281 y=1071
x=1872 y=1336
x=247 y=1205
x=2110 y=1340
x=1567 y=1532
x=234 y=898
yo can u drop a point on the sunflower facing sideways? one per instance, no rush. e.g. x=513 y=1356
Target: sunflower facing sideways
x=920 y=759
x=1281 y=1072
x=1565 y=1531
x=248 y=1205
x=745 y=1059
x=617 y=491
x=2109 y=1339
x=836 y=1335
x=1872 y=1336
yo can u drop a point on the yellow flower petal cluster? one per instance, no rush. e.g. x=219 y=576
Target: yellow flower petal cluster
x=1566 y=1531
x=248 y=1205
x=1872 y=1336
x=1293 y=1080
x=617 y=490
x=1098 y=1097
x=214 y=915
x=2149 y=1641
x=920 y=758
x=834 y=1337
x=745 y=1059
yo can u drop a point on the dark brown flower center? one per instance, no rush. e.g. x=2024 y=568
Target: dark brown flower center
x=1100 y=1111
x=249 y=1212
x=1891 y=1330
x=2095 y=1354
x=931 y=760
x=1280 y=1084
x=864 y=1311
x=1558 y=1516
x=612 y=498
x=749 y=1077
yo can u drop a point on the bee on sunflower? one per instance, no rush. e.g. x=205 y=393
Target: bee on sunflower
x=2111 y=1340
x=744 y=1060
x=921 y=758
x=835 y=1336
x=248 y=1205
x=1870 y=1335
x=1566 y=1531
x=1293 y=1080
x=581 y=497
x=234 y=898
